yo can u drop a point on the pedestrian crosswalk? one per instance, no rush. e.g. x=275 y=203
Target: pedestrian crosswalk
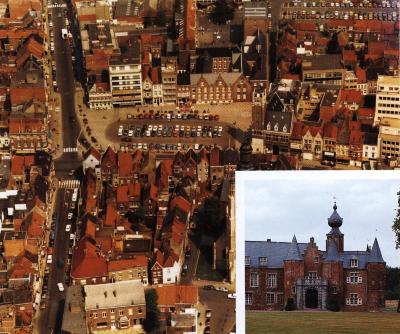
x=70 y=149
x=69 y=184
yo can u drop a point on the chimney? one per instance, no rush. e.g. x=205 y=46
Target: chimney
x=105 y=294
x=115 y=293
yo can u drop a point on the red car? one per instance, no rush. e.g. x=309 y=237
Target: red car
x=216 y=117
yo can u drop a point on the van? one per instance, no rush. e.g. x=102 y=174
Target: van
x=60 y=287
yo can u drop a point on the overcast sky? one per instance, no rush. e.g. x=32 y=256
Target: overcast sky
x=279 y=208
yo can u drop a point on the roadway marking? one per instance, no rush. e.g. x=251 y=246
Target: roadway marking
x=70 y=149
x=69 y=184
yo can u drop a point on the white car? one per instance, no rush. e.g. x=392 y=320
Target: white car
x=70 y=214
x=221 y=288
x=49 y=259
x=60 y=287
x=232 y=295
x=68 y=228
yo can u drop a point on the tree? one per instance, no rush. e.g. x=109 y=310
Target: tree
x=396 y=222
x=290 y=306
x=222 y=12
x=152 y=323
x=160 y=20
x=210 y=215
x=333 y=46
x=332 y=304
x=136 y=217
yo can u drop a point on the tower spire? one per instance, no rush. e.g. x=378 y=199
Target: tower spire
x=294 y=251
x=375 y=255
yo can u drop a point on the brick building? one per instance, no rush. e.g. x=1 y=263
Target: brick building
x=314 y=279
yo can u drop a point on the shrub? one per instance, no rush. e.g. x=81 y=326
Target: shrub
x=290 y=306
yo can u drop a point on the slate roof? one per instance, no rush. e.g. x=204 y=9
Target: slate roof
x=376 y=255
x=281 y=119
x=294 y=251
x=332 y=253
x=277 y=252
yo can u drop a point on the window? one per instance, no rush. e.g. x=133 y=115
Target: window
x=353 y=263
x=294 y=289
x=262 y=261
x=270 y=298
x=254 y=280
x=121 y=312
x=312 y=275
x=95 y=315
x=354 y=278
x=316 y=259
x=271 y=280
x=354 y=300
x=249 y=298
x=247 y=260
x=104 y=314
x=112 y=310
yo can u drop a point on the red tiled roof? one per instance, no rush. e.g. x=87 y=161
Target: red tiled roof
x=35 y=47
x=366 y=112
x=92 y=151
x=215 y=159
x=137 y=261
x=90 y=228
x=297 y=131
x=351 y=96
x=17 y=126
x=18 y=8
x=177 y=231
x=361 y=75
x=90 y=193
x=356 y=137
x=155 y=78
x=87 y=261
x=125 y=164
x=170 y=295
x=165 y=171
x=35 y=227
x=349 y=56
x=20 y=95
x=167 y=259
x=314 y=130
x=181 y=203
x=111 y=215
x=19 y=162
x=330 y=130
x=105 y=243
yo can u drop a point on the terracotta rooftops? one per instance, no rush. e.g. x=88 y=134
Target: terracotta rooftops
x=177 y=294
x=136 y=261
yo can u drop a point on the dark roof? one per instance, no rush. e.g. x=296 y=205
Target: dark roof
x=183 y=78
x=370 y=138
x=294 y=251
x=323 y=62
x=335 y=220
x=230 y=156
x=281 y=119
x=332 y=253
x=376 y=255
x=137 y=245
x=275 y=252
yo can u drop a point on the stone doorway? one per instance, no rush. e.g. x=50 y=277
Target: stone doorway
x=312 y=298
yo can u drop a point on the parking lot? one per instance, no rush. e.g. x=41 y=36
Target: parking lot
x=171 y=134
x=347 y=10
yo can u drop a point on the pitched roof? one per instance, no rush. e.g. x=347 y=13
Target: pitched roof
x=330 y=130
x=181 y=203
x=87 y=261
x=111 y=215
x=375 y=254
x=123 y=293
x=332 y=252
x=166 y=259
x=294 y=251
x=170 y=295
x=92 y=151
x=136 y=261
x=125 y=164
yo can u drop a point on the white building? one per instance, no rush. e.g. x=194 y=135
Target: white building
x=370 y=150
x=91 y=159
x=169 y=79
x=100 y=96
x=126 y=77
x=387 y=98
x=389 y=138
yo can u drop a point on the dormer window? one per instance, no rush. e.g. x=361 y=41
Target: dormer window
x=284 y=128
x=276 y=127
x=353 y=263
x=268 y=126
x=247 y=260
x=262 y=261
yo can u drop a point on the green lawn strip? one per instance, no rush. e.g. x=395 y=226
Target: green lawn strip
x=322 y=322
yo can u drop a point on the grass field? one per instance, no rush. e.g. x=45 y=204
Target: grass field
x=324 y=322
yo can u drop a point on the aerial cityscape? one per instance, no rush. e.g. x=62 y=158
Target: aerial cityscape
x=123 y=123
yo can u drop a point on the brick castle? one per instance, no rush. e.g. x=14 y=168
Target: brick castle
x=314 y=279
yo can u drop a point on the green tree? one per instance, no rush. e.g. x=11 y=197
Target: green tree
x=152 y=322
x=290 y=305
x=210 y=215
x=160 y=20
x=222 y=12
x=136 y=217
x=396 y=222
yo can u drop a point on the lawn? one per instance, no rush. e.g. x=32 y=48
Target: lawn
x=322 y=322
x=204 y=270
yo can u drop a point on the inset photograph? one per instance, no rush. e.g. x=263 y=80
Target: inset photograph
x=320 y=249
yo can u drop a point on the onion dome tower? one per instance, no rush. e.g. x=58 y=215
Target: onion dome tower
x=335 y=221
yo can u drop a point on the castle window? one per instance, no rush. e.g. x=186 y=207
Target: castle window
x=249 y=298
x=354 y=278
x=247 y=260
x=270 y=298
x=271 y=280
x=353 y=263
x=254 y=280
x=262 y=261
x=294 y=289
x=312 y=275
x=316 y=259
x=333 y=289
x=353 y=300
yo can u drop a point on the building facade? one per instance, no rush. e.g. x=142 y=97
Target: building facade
x=387 y=98
x=314 y=279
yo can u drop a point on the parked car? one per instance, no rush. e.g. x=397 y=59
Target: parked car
x=49 y=258
x=60 y=287
x=209 y=287
x=221 y=288
x=68 y=228
x=232 y=295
